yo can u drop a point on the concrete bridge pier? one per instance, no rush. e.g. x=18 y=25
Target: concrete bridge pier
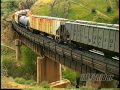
x=18 y=45
x=40 y=69
x=48 y=70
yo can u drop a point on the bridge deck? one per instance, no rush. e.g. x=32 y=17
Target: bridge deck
x=81 y=61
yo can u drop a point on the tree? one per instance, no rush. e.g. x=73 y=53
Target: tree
x=117 y=3
x=26 y=4
x=52 y=5
x=67 y=9
x=9 y=6
x=109 y=7
x=29 y=62
x=60 y=8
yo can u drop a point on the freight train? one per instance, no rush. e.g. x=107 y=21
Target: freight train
x=84 y=34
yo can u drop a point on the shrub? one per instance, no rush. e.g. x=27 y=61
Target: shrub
x=24 y=81
x=109 y=9
x=20 y=80
x=4 y=71
x=70 y=75
x=10 y=66
x=44 y=84
x=30 y=82
x=93 y=11
x=26 y=70
x=11 y=79
x=28 y=62
x=115 y=20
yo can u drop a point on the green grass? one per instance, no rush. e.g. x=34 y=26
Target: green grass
x=79 y=9
x=44 y=84
x=42 y=10
x=24 y=81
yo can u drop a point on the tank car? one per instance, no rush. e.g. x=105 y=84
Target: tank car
x=24 y=21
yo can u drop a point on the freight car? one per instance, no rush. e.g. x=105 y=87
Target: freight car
x=89 y=36
x=24 y=21
x=49 y=26
x=98 y=24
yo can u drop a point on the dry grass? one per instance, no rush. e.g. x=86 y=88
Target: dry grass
x=6 y=83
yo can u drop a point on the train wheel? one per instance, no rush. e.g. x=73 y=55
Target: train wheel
x=69 y=43
x=107 y=54
x=58 y=40
x=31 y=30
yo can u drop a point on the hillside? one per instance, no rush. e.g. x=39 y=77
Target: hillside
x=7 y=53
x=9 y=83
x=94 y=10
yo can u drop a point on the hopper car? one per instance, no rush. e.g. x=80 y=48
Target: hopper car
x=49 y=26
x=90 y=36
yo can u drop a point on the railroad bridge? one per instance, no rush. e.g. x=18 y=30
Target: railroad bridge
x=52 y=54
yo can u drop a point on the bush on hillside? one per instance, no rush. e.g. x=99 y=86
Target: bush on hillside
x=4 y=71
x=10 y=66
x=30 y=82
x=109 y=9
x=70 y=75
x=115 y=20
x=5 y=50
x=93 y=11
x=20 y=80
x=26 y=4
x=28 y=59
x=26 y=70
x=44 y=84
x=24 y=81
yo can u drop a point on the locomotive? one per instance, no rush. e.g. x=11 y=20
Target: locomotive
x=85 y=34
